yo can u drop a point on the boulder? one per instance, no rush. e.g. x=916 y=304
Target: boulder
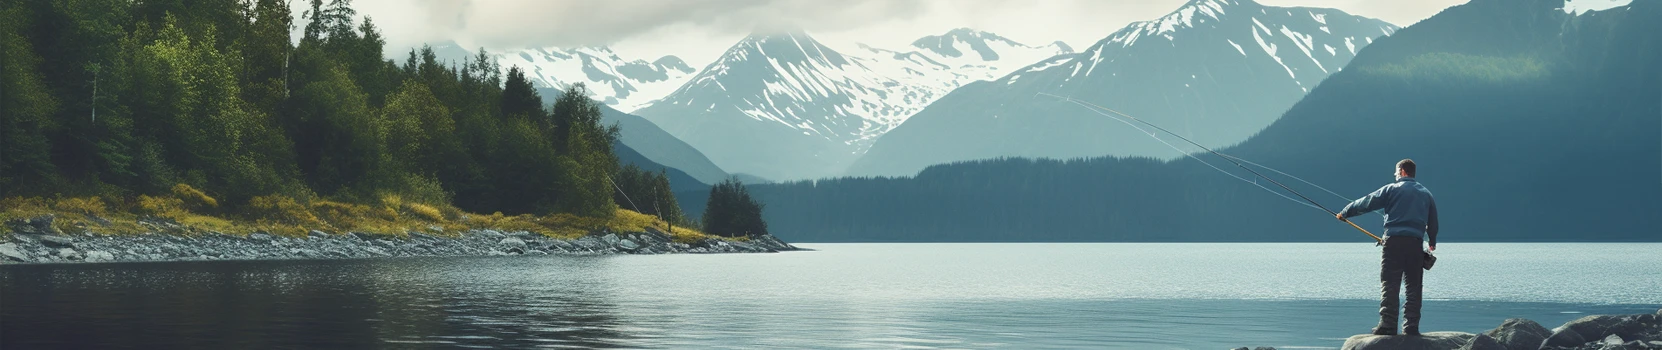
x=1484 y=342
x=39 y=225
x=1564 y=338
x=316 y=233
x=512 y=243
x=57 y=241
x=1598 y=327
x=95 y=255
x=1518 y=333
x=9 y=251
x=1426 y=341
x=69 y=254
x=259 y=237
x=628 y=245
x=610 y=239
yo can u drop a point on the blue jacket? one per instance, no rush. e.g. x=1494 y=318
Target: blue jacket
x=1409 y=209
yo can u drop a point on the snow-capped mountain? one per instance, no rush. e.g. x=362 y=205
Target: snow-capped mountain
x=787 y=106
x=1217 y=71
x=624 y=84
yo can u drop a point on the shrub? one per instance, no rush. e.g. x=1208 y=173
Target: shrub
x=88 y=206
x=280 y=209
x=159 y=206
x=424 y=211
x=194 y=198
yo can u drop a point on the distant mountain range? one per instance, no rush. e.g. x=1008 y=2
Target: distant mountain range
x=1529 y=123
x=787 y=106
x=1217 y=71
x=623 y=84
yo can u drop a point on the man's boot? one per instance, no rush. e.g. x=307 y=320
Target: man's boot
x=1384 y=330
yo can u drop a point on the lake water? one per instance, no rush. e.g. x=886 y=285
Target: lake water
x=1202 y=296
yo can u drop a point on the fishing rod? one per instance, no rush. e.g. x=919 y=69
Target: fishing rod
x=1232 y=160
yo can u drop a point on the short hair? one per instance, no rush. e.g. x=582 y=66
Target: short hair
x=1407 y=166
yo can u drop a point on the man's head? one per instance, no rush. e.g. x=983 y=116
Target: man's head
x=1405 y=168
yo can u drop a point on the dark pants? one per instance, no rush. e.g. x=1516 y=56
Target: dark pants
x=1403 y=262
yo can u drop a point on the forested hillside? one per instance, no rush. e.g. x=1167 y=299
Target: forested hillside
x=121 y=102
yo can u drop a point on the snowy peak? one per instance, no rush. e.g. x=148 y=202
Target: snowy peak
x=1306 y=43
x=950 y=44
x=788 y=47
x=822 y=104
x=625 y=84
x=967 y=47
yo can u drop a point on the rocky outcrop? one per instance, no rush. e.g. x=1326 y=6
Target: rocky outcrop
x=1601 y=332
x=1427 y=341
x=1515 y=333
x=39 y=246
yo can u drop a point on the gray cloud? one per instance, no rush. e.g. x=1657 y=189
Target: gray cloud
x=504 y=24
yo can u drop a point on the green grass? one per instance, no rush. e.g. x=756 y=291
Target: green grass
x=281 y=215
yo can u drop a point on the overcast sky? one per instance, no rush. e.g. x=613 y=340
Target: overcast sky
x=700 y=30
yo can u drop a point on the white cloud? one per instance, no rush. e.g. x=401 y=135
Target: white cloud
x=700 y=30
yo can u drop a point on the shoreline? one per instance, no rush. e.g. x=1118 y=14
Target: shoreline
x=38 y=248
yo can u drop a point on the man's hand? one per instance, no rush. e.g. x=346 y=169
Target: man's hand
x=1340 y=216
x=1433 y=248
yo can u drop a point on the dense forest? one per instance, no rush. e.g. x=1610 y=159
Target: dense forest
x=1529 y=124
x=212 y=104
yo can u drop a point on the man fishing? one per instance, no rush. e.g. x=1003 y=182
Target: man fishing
x=1410 y=217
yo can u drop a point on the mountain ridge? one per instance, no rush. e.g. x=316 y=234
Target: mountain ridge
x=788 y=106
x=1213 y=69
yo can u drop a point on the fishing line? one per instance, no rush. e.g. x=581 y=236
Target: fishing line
x=1202 y=161
x=1312 y=203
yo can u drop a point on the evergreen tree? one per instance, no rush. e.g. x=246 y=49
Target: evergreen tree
x=731 y=212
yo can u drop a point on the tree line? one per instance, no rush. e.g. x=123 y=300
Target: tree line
x=120 y=98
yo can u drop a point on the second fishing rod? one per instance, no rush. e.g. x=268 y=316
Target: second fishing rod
x=1231 y=160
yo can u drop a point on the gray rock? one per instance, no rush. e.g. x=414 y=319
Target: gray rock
x=57 y=241
x=1484 y=342
x=69 y=254
x=1241 y=348
x=1613 y=340
x=512 y=242
x=259 y=237
x=1426 y=341
x=1598 y=327
x=628 y=245
x=1518 y=333
x=316 y=233
x=1264 y=348
x=10 y=251
x=1564 y=338
x=94 y=255
x=39 y=225
x=610 y=239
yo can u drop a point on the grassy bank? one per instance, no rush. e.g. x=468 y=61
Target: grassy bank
x=194 y=213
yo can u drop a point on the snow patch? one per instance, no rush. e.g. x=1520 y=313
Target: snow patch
x=1579 y=7
x=1237 y=46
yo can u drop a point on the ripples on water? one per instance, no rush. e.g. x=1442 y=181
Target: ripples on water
x=845 y=295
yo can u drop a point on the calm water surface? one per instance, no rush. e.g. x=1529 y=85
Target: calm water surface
x=1205 y=296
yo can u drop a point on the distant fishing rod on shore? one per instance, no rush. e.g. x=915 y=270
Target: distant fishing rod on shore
x=1232 y=159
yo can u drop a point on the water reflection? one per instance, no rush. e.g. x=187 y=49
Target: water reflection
x=361 y=303
x=843 y=296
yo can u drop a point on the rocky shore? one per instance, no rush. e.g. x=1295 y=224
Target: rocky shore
x=1599 y=332
x=33 y=241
